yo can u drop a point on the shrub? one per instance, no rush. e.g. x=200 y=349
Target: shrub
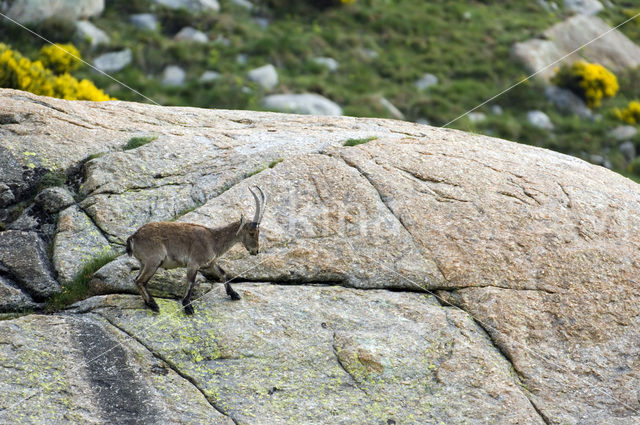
x=631 y=114
x=18 y=72
x=60 y=58
x=591 y=81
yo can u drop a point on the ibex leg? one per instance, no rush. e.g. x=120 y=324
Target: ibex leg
x=141 y=282
x=191 y=280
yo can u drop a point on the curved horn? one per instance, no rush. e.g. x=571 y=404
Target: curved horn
x=257 y=216
x=264 y=201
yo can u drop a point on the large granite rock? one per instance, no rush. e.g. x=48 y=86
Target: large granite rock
x=33 y=11
x=613 y=50
x=488 y=282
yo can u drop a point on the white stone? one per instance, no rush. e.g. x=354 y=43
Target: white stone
x=496 y=109
x=628 y=150
x=266 y=76
x=209 y=76
x=113 y=61
x=623 y=132
x=32 y=11
x=307 y=103
x=191 y=5
x=191 y=34
x=584 y=7
x=539 y=119
x=173 y=76
x=330 y=63
x=243 y=3
x=144 y=21
x=85 y=30
x=476 y=117
x=427 y=80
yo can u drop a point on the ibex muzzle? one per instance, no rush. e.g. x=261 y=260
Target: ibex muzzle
x=196 y=247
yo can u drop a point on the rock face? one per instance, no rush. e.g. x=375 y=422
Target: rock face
x=614 y=50
x=33 y=11
x=426 y=275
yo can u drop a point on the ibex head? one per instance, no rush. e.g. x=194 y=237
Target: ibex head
x=249 y=231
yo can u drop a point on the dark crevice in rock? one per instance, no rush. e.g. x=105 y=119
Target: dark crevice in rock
x=121 y=396
x=173 y=367
x=38 y=102
x=486 y=330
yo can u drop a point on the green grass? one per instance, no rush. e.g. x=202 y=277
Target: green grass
x=355 y=142
x=136 y=142
x=275 y=162
x=78 y=289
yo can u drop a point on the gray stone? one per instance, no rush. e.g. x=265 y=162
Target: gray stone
x=477 y=117
x=6 y=195
x=191 y=34
x=615 y=51
x=565 y=101
x=12 y=298
x=496 y=110
x=330 y=63
x=307 y=103
x=584 y=7
x=144 y=21
x=426 y=81
x=33 y=11
x=114 y=61
x=628 y=150
x=54 y=199
x=85 y=30
x=539 y=119
x=623 y=132
x=23 y=257
x=27 y=221
x=266 y=76
x=209 y=76
x=601 y=160
x=77 y=241
x=242 y=59
x=173 y=75
x=191 y=5
x=391 y=109
x=262 y=22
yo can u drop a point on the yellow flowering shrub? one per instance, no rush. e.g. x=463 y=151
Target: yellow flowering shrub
x=60 y=58
x=18 y=72
x=630 y=114
x=591 y=81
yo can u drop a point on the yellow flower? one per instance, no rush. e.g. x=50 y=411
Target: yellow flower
x=631 y=114
x=591 y=81
x=60 y=58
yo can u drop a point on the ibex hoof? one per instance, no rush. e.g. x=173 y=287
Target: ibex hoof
x=153 y=306
x=234 y=296
x=188 y=309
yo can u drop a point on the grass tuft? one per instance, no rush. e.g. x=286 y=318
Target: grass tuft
x=275 y=162
x=78 y=289
x=136 y=142
x=355 y=142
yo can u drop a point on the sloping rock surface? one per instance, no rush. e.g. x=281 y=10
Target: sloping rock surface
x=426 y=275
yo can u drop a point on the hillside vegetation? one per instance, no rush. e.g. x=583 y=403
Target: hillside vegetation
x=382 y=47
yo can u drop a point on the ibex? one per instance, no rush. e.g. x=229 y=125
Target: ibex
x=170 y=245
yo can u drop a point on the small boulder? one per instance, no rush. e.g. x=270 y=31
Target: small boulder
x=209 y=76
x=246 y=4
x=54 y=199
x=12 y=298
x=477 y=117
x=426 y=81
x=266 y=76
x=628 y=150
x=496 y=110
x=307 y=103
x=85 y=30
x=113 y=61
x=191 y=5
x=191 y=34
x=34 y=11
x=330 y=63
x=623 y=132
x=566 y=101
x=173 y=75
x=23 y=256
x=539 y=119
x=584 y=7
x=6 y=195
x=144 y=21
